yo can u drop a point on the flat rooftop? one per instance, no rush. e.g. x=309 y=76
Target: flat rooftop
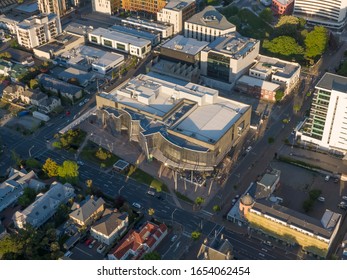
x=234 y=45
x=185 y=45
x=210 y=17
x=134 y=32
x=78 y=29
x=146 y=23
x=205 y=116
x=120 y=37
x=178 y=5
x=59 y=43
x=282 y=68
x=27 y=7
x=254 y=82
x=333 y=82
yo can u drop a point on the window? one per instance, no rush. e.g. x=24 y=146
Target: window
x=93 y=39
x=107 y=43
x=120 y=46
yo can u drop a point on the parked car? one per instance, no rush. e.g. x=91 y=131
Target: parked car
x=336 y=180
x=88 y=241
x=248 y=149
x=80 y=162
x=92 y=244
x=327 y=178
x=344 y=197
x=173 y=239
x=233 y=201
x=101 y=248
x=137 y=205
x=152 y=193
x=321 y=199
x=68 y=254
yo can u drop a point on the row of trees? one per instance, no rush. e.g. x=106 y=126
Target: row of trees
x=67 y=172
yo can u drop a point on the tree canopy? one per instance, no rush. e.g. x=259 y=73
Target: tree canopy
x=283 y=45
x=152 y=256
x=50 y=167
x=267 y=15
x=68 y=171
x=316 y=42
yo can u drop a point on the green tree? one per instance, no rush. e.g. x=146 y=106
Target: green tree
x=279 y=95
x=101 y=154
x=152 y=256
x=196 y=235
x=296 y=108
x=199 y=200
x=33 y=83
x=27 y=197
x=316 y=42
x=156 y=185
x=32 y=163
x=5 y=55
x=283 y=45
x=57 y=145
x=151 y=211
x=216 y=208
x=50 y=167
x=68 y=171
x=16 y=158
x=266 y=15
x=343 y=69
x=10 y=245
x=287 y=26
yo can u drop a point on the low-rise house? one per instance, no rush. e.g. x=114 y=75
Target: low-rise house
x=21 y=57
x=45 y=206
x=110 y=226
x=12 y=92
x=5 y=67
x=219 y=248
x=38 y=97
x=13 y=187
x=18 y=71
x=137 y=243
x=88 y=212
x=67 y=90
x=81 y=76
x=49 y=104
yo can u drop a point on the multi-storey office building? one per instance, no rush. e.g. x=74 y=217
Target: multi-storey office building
x=181 y=124
x=148 y=6
x=329 y=13
x=227 y=58
x=177 y=12
x=207 y=25
x=38 y=30
x=326 y=126
x=106 y=6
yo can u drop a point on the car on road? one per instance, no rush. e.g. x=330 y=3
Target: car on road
x=80 y=104
x=237 y=196
x=86 y=100
x=92 y=244
x=248 y=149
x=321 y=199
x=327 y=178
x=136 y=205
x=344 y=197
x=173 y=238
x=152 y=193
x=342 y=205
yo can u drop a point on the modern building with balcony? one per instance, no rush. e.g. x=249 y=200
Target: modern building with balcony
x=38 y=30
x=329 y=13
x=183 y=125
x=326 y=126
x=148 y=6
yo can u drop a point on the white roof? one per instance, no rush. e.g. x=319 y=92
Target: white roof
x=185 y=45
x=251 y=81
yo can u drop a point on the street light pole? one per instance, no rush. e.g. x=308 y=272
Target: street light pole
x=30 y=150
x=173 y=214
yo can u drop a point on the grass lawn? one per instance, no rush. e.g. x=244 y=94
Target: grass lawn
x=250 y=25
x=214 y=2
x=143 y=177
x=183 y=197
x=89 y=151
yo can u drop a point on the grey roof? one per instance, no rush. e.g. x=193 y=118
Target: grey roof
x=135 y=32
x=109 y=222
x=53 y=83
x=210 y=17
x=87 y=209
x=333 y=82
x=45 y=206
x=19 y=55
x=185 y=45
x=178 y=5
x=78 y=29
x=39 y=96
x=297 y=219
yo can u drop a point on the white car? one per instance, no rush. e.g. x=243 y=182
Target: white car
x=248 y=149
x=321 y=199
x=344 y=197
x=327 y=178
x=101 y=248
x=173 y=239
x=80 y=104
x=152 y=193
x=136 y=205
x=92 y=244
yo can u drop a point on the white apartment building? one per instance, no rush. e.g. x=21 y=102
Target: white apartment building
x=207 y=25
x=329 y=13
x=177 y=12
x=165 y=29
x=120 y=41
x=326 y=126
x=58 y=7
x=38 y=30
x=105 y=6
x=227 y=58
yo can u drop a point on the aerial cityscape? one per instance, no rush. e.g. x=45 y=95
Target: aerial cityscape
x=173 y=130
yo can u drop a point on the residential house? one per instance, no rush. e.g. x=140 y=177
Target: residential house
x=49 y=104
x=88 y=212
x=110 y=226
x=45 y=206
x=38 y=97
x=218 y=248
x=18 y=72
x=12 y=92
x=137 y=243
x=13 y=187
x=66 y=90
x=21 y=57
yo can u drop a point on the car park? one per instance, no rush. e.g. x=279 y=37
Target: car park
x=321 y=199
x=136 y=205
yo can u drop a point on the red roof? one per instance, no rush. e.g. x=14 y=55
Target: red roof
x=140 y=241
